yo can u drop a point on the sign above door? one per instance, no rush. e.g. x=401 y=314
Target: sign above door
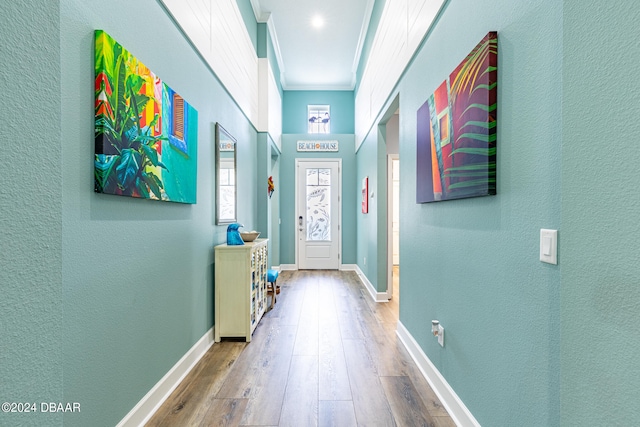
x=317 y=146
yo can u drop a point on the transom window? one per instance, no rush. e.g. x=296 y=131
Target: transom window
x=319 y=118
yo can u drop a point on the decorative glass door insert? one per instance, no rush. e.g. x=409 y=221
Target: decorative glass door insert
x=318 y=204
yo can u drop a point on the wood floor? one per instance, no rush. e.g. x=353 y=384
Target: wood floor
x=326 y=355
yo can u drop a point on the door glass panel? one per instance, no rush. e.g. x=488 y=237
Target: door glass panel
x=324 y=176
x=312 y=177
x=318 y=204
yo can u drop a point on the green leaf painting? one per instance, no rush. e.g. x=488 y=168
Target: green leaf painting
x=457 y=130
x=146 y=139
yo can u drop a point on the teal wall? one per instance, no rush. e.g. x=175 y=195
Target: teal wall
x=372 y=238
x=260 y=38
x=263 y=40
x=90 y=298
x=600 y=233
x=31 y=210
x=376 y=14
x=286 y=187
x=249 y=18
x=267 y=50
x=274 y=205
x=268 y=156
x=294 y=110
x=102 y=295
x=138 y=275
x=473 y=263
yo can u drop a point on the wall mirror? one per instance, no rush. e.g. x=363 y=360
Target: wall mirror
x=226 y=191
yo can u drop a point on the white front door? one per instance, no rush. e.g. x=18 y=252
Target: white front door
x=318 y=214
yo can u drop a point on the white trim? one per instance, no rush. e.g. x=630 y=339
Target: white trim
x=375 y=295
x=151 y=402
x=349 y=267
x=448 y=397
x=396 y=42
x=257 y=11
x=287 y=86
x=265 y=17
x=288 y=267
x=276 y=48
x=227 y=49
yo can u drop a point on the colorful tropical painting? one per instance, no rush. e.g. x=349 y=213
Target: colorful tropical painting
x=456 y=132
x=146 y=135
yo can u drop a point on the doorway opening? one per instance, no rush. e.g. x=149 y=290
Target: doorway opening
x=393 y=228
x=392 y=140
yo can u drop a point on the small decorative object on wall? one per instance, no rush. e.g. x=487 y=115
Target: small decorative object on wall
x=456 y=135
x=365 y=195
x=146 y=135
x=233 y=235
x=319 y=118
x=270 y=186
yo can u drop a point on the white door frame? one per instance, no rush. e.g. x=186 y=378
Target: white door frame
x=298 y=163
x=390 y=159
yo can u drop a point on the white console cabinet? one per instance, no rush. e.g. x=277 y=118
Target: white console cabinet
x=240 y=288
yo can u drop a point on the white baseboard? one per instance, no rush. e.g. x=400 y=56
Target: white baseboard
x=375 y=295
x=149 y=404
x=448 y=397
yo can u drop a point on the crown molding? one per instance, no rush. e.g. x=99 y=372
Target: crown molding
x=257 y=11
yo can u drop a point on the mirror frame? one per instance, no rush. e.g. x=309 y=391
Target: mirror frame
x=220 y=131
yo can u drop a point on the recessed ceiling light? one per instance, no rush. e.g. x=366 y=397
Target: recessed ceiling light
x=317 y=21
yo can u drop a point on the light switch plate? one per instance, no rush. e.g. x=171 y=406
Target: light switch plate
x=549 y=246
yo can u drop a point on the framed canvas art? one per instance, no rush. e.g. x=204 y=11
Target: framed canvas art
x=456 y=131
x=146 y=134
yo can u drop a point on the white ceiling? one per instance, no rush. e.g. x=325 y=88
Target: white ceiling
x=316 y=58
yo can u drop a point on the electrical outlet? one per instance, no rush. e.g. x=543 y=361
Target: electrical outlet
x=441 y=335
x=365 y=260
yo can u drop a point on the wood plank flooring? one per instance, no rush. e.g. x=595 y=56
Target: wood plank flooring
x=326 y=355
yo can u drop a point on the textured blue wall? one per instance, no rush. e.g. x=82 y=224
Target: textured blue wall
x=600 y=215
x=31 y=175
x=102 y=295
x=473 y=263
x=294 y=110
x=138 y=275
x=267 y=164
x=371 y=239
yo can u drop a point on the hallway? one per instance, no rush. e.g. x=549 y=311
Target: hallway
x=325 y=355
